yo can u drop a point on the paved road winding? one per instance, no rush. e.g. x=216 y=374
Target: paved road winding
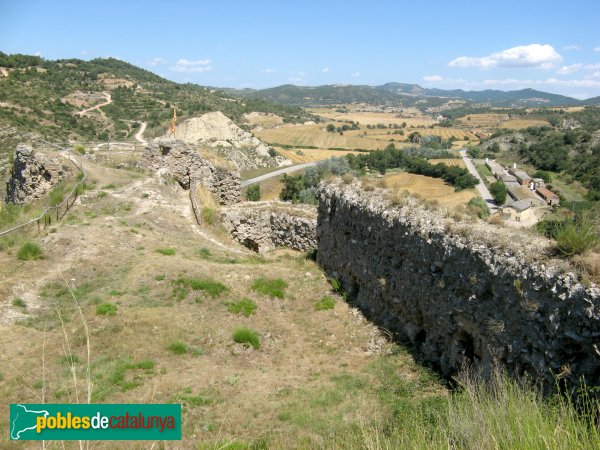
x=481 y=187
x=278 y=172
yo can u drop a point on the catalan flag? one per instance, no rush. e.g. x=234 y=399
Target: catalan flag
x=173 y=122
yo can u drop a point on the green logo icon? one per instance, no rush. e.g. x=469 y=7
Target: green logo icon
x=95 y=422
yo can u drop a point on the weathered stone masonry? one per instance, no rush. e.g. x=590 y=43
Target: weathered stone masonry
x=459 y=297
x=188 y=167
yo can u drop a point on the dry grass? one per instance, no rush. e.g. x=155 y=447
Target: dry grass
x=500 y=121
x=372 y=118
x=428 y=188
x=303 y=155
x=262 y=119
x=449 y=162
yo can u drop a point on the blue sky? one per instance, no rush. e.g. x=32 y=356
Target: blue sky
x=547 y=45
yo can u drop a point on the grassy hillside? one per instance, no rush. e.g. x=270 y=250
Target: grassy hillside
x=46 y=96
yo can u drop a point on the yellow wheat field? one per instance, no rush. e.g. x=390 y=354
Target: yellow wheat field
x=374 y=139
x=428 y=188
x=303 y=155
x=262 y=119
x=372 y=118
x=449 y=162
x=500 y=121
x=317 y=136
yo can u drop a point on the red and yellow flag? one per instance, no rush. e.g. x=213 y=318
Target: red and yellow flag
x=172 y=128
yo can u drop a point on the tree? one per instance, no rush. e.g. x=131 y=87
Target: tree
x=331 y=128
x=253 y=192
x=498 y=191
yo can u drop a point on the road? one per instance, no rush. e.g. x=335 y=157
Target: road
x=278 y=172
x=107 y=102
x=481 y=187
x=138 y=135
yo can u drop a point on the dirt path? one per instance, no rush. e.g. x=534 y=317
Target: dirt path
x=140 y=133
x=107 y=102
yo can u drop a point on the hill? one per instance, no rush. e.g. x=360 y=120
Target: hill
x=47 y=97
x=402 y=94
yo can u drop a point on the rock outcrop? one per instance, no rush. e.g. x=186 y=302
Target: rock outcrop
x=189 y=167
x=33 y=175
x=460 y=293
x=217 y=131
x=263 y=226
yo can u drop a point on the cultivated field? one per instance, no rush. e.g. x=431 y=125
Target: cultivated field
x=262 y=119
x=449 y=162
x=316 y=136
x=368 y=139
x=372 y=118
x=302 y=155
x=428 y=188
x=500 y=121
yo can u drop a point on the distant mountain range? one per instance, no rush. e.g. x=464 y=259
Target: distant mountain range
x=406 y=95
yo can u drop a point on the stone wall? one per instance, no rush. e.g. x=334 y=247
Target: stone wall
x=263 y=226
x=185 y=163
x=471 y=294
x=33 y=175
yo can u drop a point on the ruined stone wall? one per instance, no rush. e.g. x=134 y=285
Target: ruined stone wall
x=33 y=175
x=460 y=293
x=184 y=163
x=262 y=226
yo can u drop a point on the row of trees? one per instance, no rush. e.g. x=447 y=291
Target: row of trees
x=391 y=157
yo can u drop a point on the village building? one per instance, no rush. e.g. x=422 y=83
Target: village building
x=522 y=177
x=550 y=197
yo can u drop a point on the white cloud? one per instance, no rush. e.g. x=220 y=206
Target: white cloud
x=566 y=70
x=587 y=82
x=295 y=79
x=533 y=55
x=185 y=65
x=325 y=69
x=269 y=70
x=355 y=74
x=572 y=47
x=433 y=78
x=155 y=62
x=38 y=53
x=597 y=49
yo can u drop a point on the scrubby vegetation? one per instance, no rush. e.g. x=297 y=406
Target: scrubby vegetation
x=244 y=306
x=29 y=251
x=271 y=287
x=244 y=335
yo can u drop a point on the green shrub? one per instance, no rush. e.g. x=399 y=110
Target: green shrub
x=80 y=149
x=204 y=253
x=325 y=303
x=208 y=215
x=479 y=205
x=57 y=195
x=499 y=192
x=29 y=251
x=166 y=251
x=253 y=192
x=576 y=237
x=271 y=287
x=159 y=277
x=244 y=306
x=177 y=348
x=106 y=309
x=244 y=335
x=19 y=302
x=211 y=287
